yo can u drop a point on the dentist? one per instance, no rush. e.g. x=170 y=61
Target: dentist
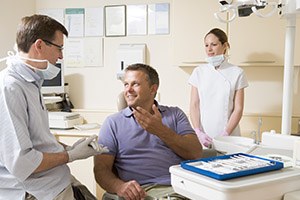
x=217 y=92
x=32 y=163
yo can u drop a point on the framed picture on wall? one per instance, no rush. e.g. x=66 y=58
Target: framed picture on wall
x=159 y=18
x=136 y=17
x=115 y=20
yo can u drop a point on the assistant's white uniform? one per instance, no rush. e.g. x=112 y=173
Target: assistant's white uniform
x=216 y=90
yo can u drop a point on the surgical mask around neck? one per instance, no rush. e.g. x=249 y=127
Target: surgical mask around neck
x=216 y=60
x=47 y=74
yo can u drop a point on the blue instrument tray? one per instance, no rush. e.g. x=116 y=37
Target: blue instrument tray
x=231 y=166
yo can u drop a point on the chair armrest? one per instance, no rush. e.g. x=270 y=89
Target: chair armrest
x=110 y=196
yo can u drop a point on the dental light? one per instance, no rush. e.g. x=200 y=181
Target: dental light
x=244 y=8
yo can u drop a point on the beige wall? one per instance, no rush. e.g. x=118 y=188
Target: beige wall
x=11 y=13
x=97 y=88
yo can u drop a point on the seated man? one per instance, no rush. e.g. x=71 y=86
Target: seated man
x=144 y=140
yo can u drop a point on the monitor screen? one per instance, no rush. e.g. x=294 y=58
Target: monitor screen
x=55 y=85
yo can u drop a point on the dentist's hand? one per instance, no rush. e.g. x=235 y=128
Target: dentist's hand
x=203 y=137
x=68 y=148
x=83 y=149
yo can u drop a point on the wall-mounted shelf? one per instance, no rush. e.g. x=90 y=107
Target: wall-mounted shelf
x=188 y=67
x=192 y=65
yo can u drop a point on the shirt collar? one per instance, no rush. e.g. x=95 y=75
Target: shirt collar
x=26 y=73
x=223 y=64
x=127 y=112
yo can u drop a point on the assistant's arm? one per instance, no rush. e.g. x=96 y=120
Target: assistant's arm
x=237 y=113
x=195 y=108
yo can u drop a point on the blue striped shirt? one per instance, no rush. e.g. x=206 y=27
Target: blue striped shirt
x=24 y=135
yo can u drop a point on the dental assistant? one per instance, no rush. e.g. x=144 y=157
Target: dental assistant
x=33 y=165
x=217 y=91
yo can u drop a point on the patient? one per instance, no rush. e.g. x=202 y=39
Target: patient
x=144 y=140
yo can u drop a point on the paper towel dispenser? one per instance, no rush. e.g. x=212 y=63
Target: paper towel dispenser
x=129 y=54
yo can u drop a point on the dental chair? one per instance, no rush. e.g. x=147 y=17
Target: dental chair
x=110 y=196
x=121 y=104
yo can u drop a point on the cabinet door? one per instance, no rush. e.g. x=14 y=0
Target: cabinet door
x=192 y=19
x=257 y=41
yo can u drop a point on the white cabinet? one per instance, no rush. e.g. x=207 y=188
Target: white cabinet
x=82 y=170
x=192 y=19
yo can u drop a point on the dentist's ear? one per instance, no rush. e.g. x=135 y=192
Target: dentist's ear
x=38 y=44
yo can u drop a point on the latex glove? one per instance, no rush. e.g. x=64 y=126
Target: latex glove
x=84 y=149
x=68 y=148
x=224 y=133
x=98 y=147
x=203 y=137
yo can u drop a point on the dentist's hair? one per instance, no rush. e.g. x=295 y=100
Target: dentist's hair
x=36 y=27
x=151 y=73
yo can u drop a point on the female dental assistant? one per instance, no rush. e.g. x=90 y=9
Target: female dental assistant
x=217 y=92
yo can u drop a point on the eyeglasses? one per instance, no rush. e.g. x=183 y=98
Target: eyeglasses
x=60 y=47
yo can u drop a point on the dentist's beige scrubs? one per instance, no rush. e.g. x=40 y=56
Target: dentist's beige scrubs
x=216 y=88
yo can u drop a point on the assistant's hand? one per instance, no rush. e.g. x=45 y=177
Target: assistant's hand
x=203 y=137
x=85 y=149
x=150 y=122
x=131 y=190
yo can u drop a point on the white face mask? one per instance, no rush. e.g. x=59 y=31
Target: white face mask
x=47 y=74
x=215 y=60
